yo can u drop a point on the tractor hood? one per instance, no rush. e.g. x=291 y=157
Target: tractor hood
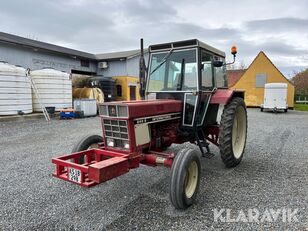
x=140 y=108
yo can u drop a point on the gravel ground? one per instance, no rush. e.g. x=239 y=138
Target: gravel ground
x=272 y=175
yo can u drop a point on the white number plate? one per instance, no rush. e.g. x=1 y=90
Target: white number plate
x=74 y=175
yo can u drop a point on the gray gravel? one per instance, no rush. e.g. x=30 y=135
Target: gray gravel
x=272 y=175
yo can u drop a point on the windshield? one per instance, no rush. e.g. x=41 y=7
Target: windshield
x=173 y=71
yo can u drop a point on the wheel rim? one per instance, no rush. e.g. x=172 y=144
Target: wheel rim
x=191 y=179
x=239 y=132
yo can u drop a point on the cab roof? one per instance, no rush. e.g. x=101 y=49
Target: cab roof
x=184 y=44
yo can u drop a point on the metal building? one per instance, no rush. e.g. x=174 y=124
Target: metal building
x=36 y=55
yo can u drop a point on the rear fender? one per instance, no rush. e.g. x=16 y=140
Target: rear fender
x=223 y=96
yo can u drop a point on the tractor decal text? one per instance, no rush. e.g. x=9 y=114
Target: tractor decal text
x=154 y=119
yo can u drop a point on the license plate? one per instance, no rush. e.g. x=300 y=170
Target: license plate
x=74 y=175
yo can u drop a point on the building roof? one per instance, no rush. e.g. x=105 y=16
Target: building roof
x=262 y=53
x=234 y=76
x=14 y=39
x=119 y=55
x=38 y=45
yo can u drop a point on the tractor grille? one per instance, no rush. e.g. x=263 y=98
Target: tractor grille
x=113 y=110
x=116 y=130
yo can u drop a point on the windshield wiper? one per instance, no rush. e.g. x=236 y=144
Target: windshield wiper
x=164 y=60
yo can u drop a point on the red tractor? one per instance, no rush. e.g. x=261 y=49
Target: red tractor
x=185 y=84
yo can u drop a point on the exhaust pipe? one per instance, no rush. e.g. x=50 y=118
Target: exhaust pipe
x=142 y=70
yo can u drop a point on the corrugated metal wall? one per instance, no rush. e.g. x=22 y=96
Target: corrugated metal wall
x=115 y=68
x=133 y=65
x=28 y=58
x=129 y=67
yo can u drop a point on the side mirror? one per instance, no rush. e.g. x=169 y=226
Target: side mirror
x=217 y=63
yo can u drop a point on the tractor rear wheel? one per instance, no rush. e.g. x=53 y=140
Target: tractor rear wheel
x=185 y=178
x=87 y=142
x=233 y=132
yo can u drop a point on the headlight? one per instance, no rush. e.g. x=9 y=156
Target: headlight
x=103 y=110
x=122 y=111
x=126 y=144
x=110 y=142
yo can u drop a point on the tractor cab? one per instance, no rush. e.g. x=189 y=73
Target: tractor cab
x=190 y=71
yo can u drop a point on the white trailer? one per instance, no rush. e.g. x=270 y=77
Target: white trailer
x=275 y=97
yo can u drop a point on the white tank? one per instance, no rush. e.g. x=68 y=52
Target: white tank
x=54 y=88
x=15 y=90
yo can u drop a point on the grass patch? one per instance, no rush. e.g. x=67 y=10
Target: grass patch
x=301 y=107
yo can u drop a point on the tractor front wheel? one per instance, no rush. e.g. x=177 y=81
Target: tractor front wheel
x=233 y=132
x=87 y=142
x=185 y=178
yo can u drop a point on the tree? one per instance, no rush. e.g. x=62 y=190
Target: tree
x=237 y=66
x=300 y=81
x=242 y=65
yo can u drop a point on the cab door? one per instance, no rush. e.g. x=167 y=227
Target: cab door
x=196 y=104
x=207 y=86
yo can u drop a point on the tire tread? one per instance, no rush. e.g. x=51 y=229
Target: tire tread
x=181 y=160
x=225 y=133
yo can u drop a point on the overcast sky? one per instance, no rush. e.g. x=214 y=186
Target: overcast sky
x=280 y=27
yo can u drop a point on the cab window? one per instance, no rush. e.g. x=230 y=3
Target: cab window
x=175 y=71
x=206 y=71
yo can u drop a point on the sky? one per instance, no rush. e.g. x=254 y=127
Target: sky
x=277 y=27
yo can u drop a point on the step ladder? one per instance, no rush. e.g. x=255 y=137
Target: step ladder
x=202 y=143
x=46 y=115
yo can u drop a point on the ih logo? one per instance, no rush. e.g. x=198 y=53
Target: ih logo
x=113 y=111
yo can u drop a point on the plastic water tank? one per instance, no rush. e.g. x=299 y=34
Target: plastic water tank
x=54 y=88
x=15 y=90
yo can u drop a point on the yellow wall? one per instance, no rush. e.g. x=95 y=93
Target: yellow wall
x=125 y=82
x=261 y=65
